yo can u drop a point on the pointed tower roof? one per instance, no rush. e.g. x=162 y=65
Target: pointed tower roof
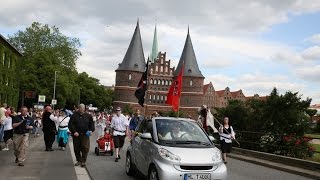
x=134 y=59
x=188 y=56
x=154 y=52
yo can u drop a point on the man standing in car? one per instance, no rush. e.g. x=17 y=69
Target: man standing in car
x=119 y=125
x=81 y=126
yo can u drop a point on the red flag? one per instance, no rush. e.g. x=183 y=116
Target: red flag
x=174 y=93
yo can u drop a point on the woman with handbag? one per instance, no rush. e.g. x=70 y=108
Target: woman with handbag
x=62 y=120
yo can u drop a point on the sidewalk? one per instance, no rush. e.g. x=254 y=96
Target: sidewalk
x=40 y=164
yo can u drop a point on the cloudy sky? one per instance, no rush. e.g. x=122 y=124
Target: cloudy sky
x=250 y=45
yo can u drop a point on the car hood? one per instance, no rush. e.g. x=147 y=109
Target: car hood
x=193 y=156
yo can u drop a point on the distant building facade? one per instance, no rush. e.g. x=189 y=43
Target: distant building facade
x=10 y=59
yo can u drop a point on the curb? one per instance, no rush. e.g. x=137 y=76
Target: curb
x=278 y=166
x=81 y=173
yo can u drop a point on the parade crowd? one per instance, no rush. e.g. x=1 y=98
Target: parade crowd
x=58 y=125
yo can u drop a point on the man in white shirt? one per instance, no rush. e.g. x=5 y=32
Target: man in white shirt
x=119 y=125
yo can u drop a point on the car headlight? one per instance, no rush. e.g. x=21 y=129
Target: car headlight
x=168 y=155
x=216 y=158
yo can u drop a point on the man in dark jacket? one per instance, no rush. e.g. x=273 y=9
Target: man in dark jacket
x=81 y=126
x=49 y=128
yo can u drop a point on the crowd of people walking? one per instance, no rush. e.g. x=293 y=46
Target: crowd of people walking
x=59 y=125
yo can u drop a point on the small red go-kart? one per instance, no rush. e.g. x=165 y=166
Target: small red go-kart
x=105 y=145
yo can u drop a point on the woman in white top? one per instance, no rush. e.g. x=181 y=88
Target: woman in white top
x=8 y=130
x=62 y=121
x=226 y=135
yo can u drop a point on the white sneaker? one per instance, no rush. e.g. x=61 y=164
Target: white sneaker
x=63 y=148
x=5 y=149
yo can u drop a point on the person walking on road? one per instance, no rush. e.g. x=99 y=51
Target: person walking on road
x=81 y=126
x=135 y=121
x=48 y=128
x=22 y=124
x=2 y=119
x=62 y=120
x=8 y=130
x=226 y=135
x=120 y=127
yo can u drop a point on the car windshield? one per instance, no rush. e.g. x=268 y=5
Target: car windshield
x=175 y=132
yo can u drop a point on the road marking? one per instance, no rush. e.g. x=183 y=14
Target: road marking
x=82 y=173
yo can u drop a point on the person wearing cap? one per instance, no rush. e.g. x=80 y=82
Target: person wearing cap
x=120 y=127
x=81 y=126
x=62 y=120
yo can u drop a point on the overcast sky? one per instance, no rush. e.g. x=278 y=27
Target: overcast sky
x=249 y=45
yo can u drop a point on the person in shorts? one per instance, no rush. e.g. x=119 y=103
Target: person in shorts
x=120 y=127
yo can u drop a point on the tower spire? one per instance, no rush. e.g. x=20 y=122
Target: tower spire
x=134 y=59
x=188 y=58
x=154 y=51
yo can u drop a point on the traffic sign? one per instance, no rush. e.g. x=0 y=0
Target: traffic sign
x=54 y=102
x=42 y=98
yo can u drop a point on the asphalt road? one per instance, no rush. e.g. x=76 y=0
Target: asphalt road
x=104 y=167
x=39 y=164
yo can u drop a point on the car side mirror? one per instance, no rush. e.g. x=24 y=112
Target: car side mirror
x=212 y=138
x=146 y=136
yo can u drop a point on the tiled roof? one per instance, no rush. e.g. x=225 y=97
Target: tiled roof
x=188 y=57
x=134 y=58
x=220 y=93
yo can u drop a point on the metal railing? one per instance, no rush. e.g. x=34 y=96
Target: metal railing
x=281 y=144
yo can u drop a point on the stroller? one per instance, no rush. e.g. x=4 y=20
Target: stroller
x=105 y=144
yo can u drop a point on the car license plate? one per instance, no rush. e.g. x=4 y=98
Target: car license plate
x=197 y=176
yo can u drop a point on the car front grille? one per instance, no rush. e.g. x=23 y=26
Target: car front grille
x=196 y=167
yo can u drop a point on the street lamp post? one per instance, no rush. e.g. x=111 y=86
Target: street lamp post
x=54 y=87
x=79 y=96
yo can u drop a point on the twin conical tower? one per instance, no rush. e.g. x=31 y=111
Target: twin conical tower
x=160 y=77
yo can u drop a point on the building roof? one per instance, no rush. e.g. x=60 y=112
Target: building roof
x=191 y=68
x=13 y=47
x=205 y=88
x=154 y=51
x=134 y=59
x=221 y=92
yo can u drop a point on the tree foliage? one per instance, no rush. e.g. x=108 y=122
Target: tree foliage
x=268 y=122
x=47 y=50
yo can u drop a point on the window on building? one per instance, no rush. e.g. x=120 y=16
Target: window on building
x=166 y=83
x=155 y=82
x=191 y=83
x=166 y=69
x=151 y=81
x=161 y=68
x=130 y=76
x=159 y=82
x=9 y=62
x=3 y=58
x=156 y=68
x=163 y=81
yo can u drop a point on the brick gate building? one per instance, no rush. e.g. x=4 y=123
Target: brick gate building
x=161 y=74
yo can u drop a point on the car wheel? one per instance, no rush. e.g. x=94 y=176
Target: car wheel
x=96 y=150
x=153 y=173
x=130 y=168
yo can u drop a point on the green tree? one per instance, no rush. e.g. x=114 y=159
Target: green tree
x=47 y=50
